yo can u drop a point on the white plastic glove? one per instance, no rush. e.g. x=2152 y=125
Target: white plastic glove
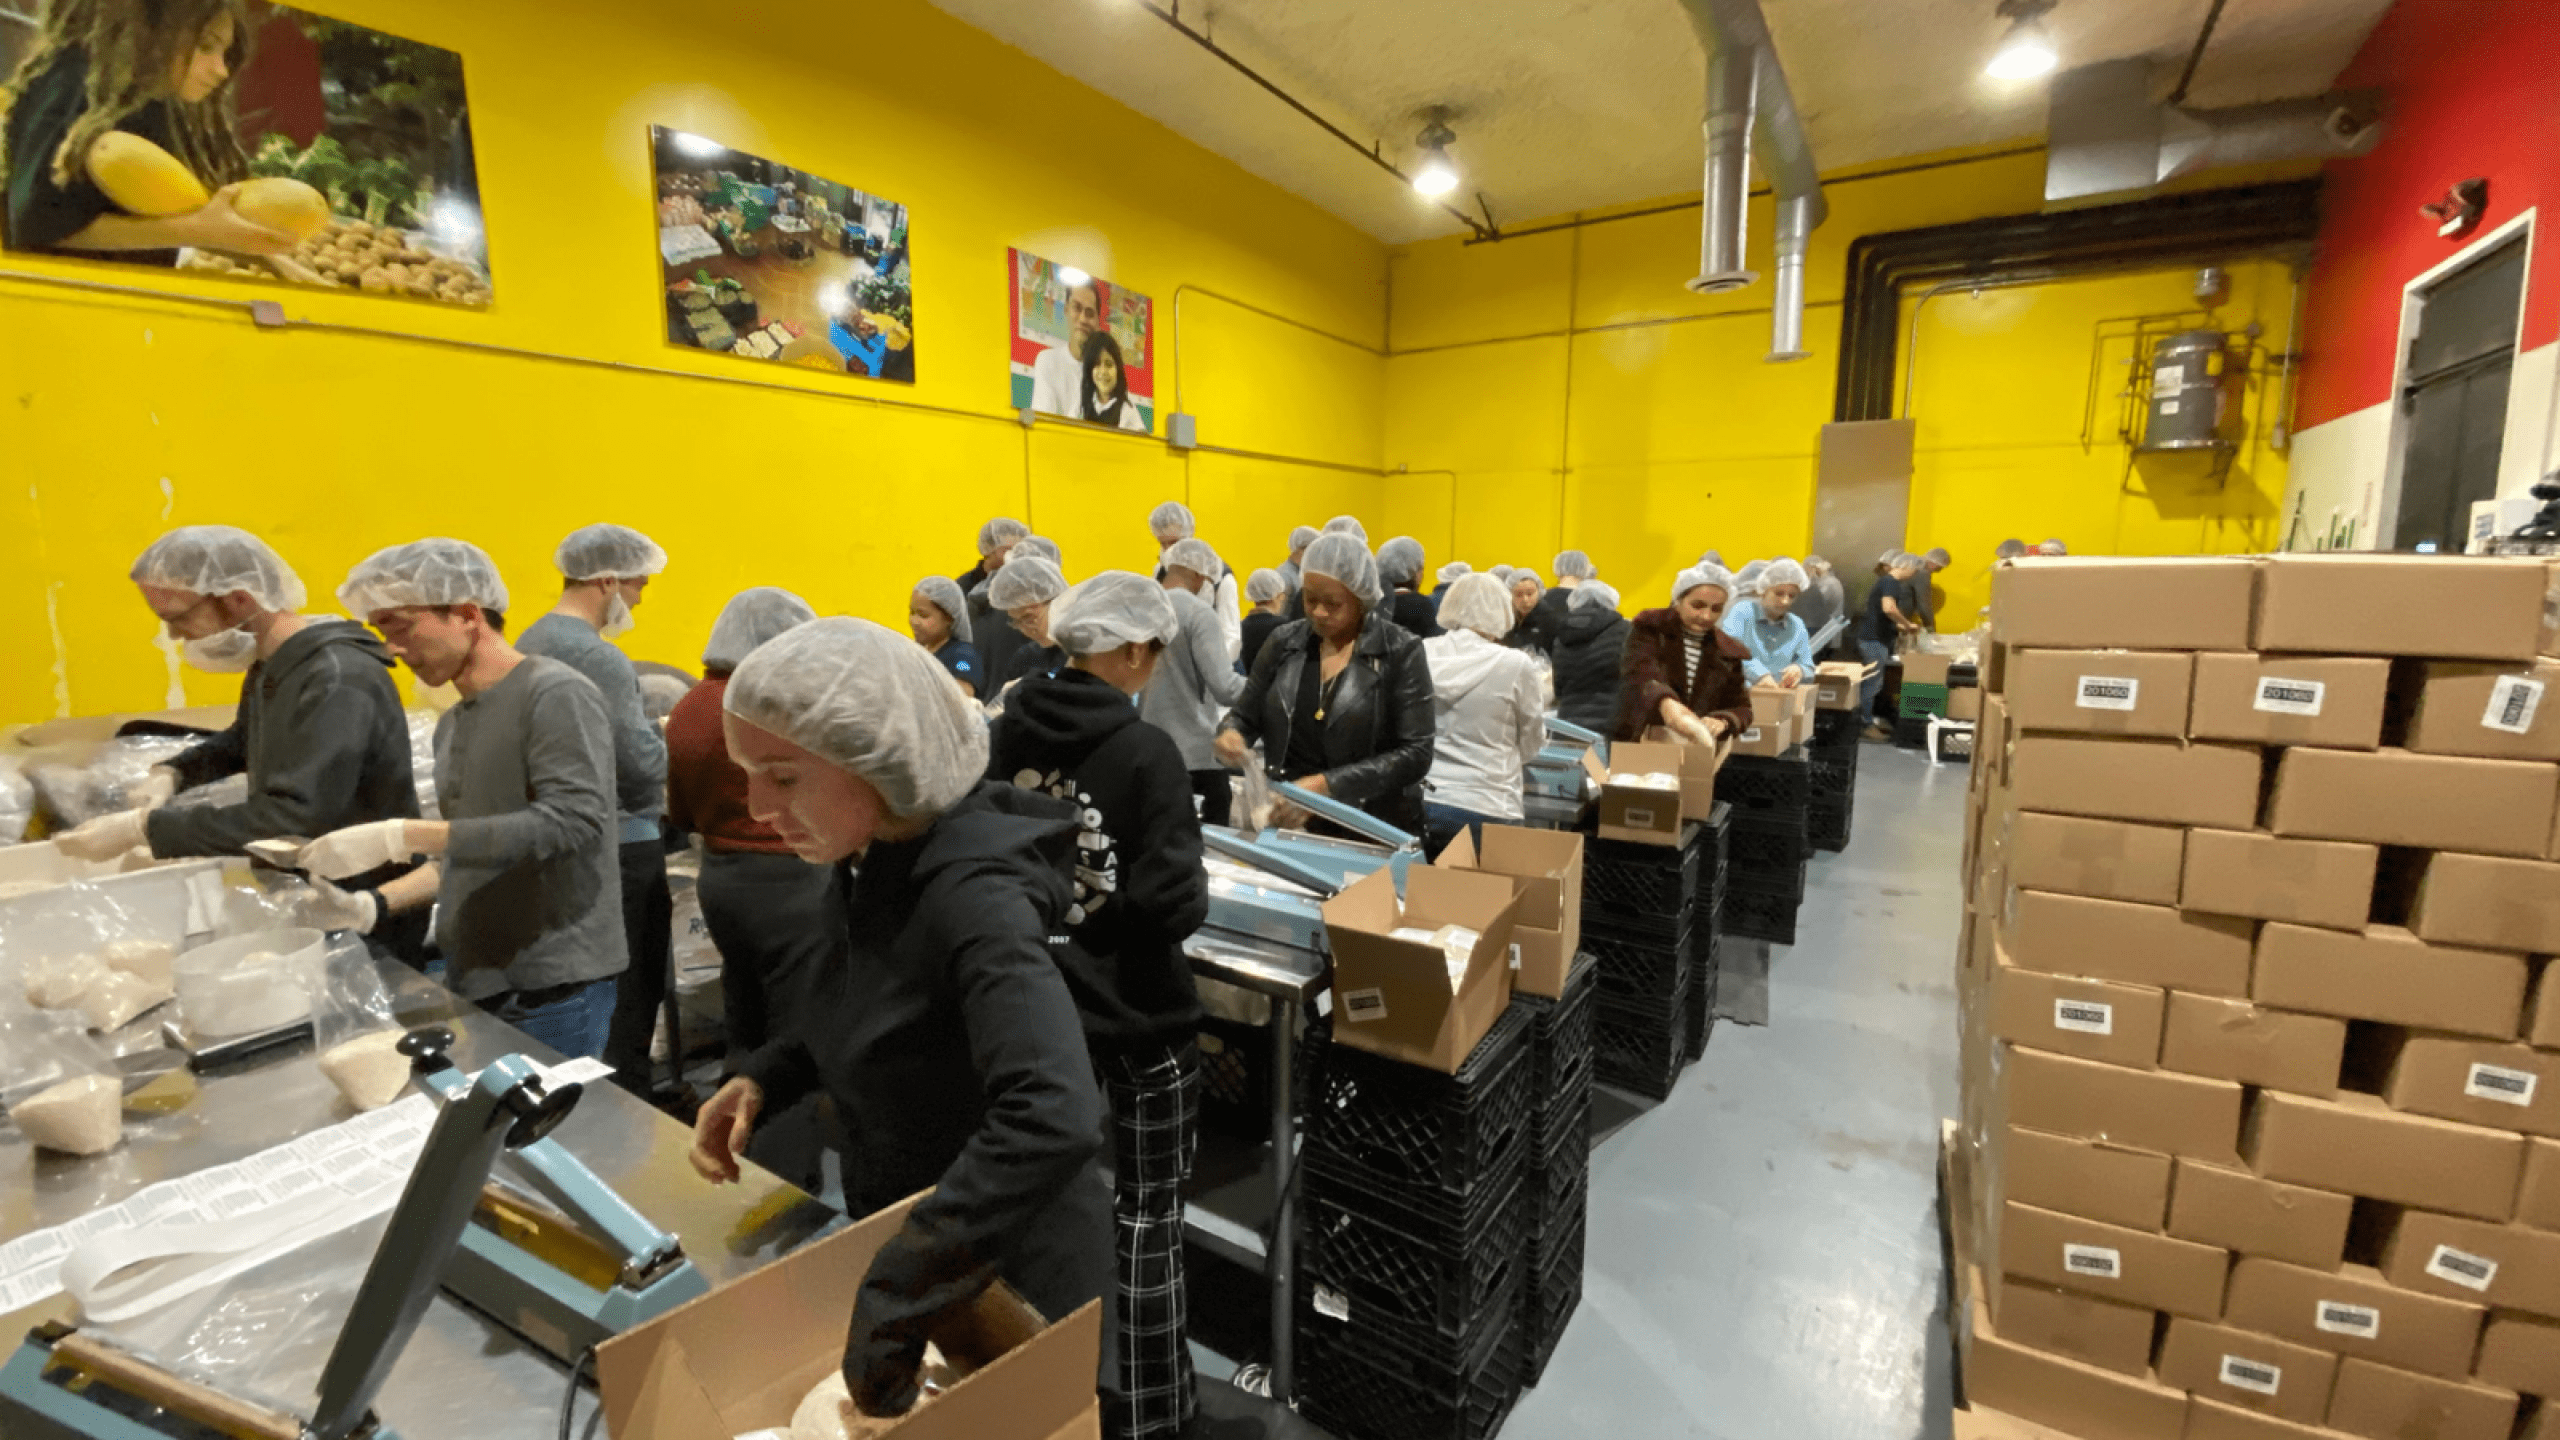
x=357 y=848
x=154 y=789
x=329 y=908
x=104 y=838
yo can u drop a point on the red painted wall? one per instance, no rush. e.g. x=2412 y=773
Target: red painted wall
x=2471 y=90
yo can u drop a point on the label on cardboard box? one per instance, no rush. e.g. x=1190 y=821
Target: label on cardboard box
x=1639 y=819
x=1750 y=736
x=2461 y=1267
x=2085 y=1017
x=1359 y=1006
x=2098 y=1262
x=2279 y=696
x=2243 y=1373
x=2338 y=1317
x=2108 y=692
x=2497 y=1082
x=2512 y=702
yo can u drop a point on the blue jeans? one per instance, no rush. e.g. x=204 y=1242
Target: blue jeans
x=1875 y=655
x=1441 y=824
x=571 y=1019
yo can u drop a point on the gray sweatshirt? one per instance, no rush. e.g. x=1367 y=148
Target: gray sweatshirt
x=532 y=893
x=639 y=778
x=1194 y=685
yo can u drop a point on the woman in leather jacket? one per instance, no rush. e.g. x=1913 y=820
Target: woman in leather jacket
x=1682 y=672
x=1341 y=700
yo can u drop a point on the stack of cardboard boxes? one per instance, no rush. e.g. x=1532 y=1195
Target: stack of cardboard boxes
x=2261 y=1132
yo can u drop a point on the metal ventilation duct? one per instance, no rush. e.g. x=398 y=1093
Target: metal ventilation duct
x=1752 y=114
x=2108 y=137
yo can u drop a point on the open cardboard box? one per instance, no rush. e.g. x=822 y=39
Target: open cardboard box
x=1545 y=867
x=1773 y=737
x=1653 y=817
x=1392 y=997
x=741 y=1357
x=1836 y=682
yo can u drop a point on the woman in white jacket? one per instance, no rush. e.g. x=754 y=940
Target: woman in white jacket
x=1490 y=705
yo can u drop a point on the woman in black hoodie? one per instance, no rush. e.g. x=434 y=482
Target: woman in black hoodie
x=1590 y=645
x=1073 y=734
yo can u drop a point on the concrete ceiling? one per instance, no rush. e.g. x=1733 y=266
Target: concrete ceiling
x=1564 y=105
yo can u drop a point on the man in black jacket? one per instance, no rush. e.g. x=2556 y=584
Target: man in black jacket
x=319 y=728
x=1073 y=734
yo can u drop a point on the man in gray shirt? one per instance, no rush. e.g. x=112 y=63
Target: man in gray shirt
x=604 y=570
x=529 y=917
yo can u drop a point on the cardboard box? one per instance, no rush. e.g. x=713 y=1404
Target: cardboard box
x=2542 y=1009
x=2168 y=782
x=2520 y=1352
x=1545 y=868
x=1649 y=816
x=1965 y=703
x=2109 y=859
x=741 y=1357
x=2236 y=1040
x=2538 y=1195
x=2357 y=1145
x=2100 y=692
x=1981 y=1422
x=1924 y=667
x=2082 y=1400
x=2236 y=1210
x=2090 y=1330
x=2502 y=711
x=2309 y=882
x=2166 y=604
x=2513 y=1267
x=2254 y=1372
x=1769 y=739
x=2479 y=1082
x=2130 y=1267
x=2094 y=1019
x=2426 y=802
x=2133 y=944
x=1836 y=683
x=2144 y=1109
x=2386 y=974
x=1393 y=997
x=2289 y=700
x=2084 y=1177
x=2471 y=608
x=2493 y=902
x=2353 y=1312
x=2381 y=1403
x=2211 y=1420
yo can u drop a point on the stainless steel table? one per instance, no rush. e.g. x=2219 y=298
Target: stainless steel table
x=463 y=1377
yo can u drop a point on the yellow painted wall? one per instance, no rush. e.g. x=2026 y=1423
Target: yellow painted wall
x=120 y=416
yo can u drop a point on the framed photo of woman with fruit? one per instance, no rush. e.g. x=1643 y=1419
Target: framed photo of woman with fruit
x=240 y=138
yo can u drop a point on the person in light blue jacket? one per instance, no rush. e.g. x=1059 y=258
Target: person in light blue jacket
x=1781 y=651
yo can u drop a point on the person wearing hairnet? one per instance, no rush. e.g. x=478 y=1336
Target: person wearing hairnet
x=1572 y=568
x=999 y=645
x=1171 y=523
x=938 y=616
x=772 y=916
x=1346 y=525
x=2010 y=549
x=1198 y=679
x=1889 y=623
x=2052 y=547
x=1489 y=706
x=1299 y=539
x=1680 y=671
x=1400 y=567
x=1824 y=599
x=1768 y=627
x=1587 y=654
x=319 y=730
x=1930 y=595
x=1531 y=626
x=1746 y=581
x=526 y=886
x=1267 y=591
x=1340 y=701
x=995 y=539
x=1023 y=590
x=604 y=571
x=948 y=1039
x=1449 y=574
x=1140 y=892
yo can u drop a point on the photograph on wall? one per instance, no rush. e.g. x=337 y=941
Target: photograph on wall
x=234 y=137
x=1083 y=347
x=773 y=263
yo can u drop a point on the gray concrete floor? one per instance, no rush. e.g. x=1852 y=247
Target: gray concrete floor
x=1764 y=1257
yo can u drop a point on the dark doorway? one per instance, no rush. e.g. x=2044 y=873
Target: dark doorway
x=2454 y=398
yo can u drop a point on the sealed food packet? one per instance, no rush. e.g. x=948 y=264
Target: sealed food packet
x=352 y=1029
x=59 y=1087
x=1261 y=801
x=827 y=1412
x=76 y=949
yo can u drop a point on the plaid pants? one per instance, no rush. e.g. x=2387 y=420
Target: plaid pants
x=1155 y=1126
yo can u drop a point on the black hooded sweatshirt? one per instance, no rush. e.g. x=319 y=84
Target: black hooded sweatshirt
x=950 y=1046
x=1589 y=652
x=1140 y=888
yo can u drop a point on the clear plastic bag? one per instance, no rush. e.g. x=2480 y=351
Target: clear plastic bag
x=422 y=761
x=1261 y=801
x=74 y=793
x=74 y=949
x=353 y=1032
x=17 y=802
x=59 y=1087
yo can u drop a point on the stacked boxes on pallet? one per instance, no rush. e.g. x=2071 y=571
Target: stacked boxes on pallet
x=2261 y=1129
x=1767 y=851
x=1643 y=936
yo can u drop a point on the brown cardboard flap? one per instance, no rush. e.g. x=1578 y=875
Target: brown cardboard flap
x=1392 y=997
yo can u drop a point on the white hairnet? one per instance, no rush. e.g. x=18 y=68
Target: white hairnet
x=423 y=572
x=1021 y=582
x=1400 y=561
x=608 y=552
x=1340 y=556
x=1454 y=569
x=1523 y=572
x=1172 y=518
x=1749 y=572
x=1887 y=558
x=1037 y=547
x=1196 y=556
x=1712 y=557
x=869 y=700
x=1302 y=537
x=1264 y=585
x=1348 y=525
x=1575 y=565
x=1817 y=566
x=1784 y=572
x=1478 y=603
x=1697 y=575
x=1594 y=595
x=2051 y=547
x=1112 y=609
x=946 y=597
x=1938 y=555
x=1501 y=572
x=1002 y=530
x=2009 y=550
x=216 y=560
x=751 y=618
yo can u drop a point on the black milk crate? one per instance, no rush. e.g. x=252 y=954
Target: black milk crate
x=1235 y=1075
x=1643 y=972
x=1548 y=1306
x=1405 y=1273
x=1642 y=1050
x=1562 y=1175
x=1762 y=844
x=1560 y=1031
x=1623 y=882
x=1828 y=826
x=1702 y=1008
x=1837 y=730
x=1833 y=778
x=1752 y=783
x=1788 y=883
x=1360 y=1388
x=1911 y=733
x=1408 y=1126
x=1753 y=915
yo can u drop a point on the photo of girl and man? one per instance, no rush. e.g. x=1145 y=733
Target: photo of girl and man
x=1083 y=348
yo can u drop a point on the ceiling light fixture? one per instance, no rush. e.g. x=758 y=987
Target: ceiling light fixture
x=2026 y=52
x=1437 y=174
